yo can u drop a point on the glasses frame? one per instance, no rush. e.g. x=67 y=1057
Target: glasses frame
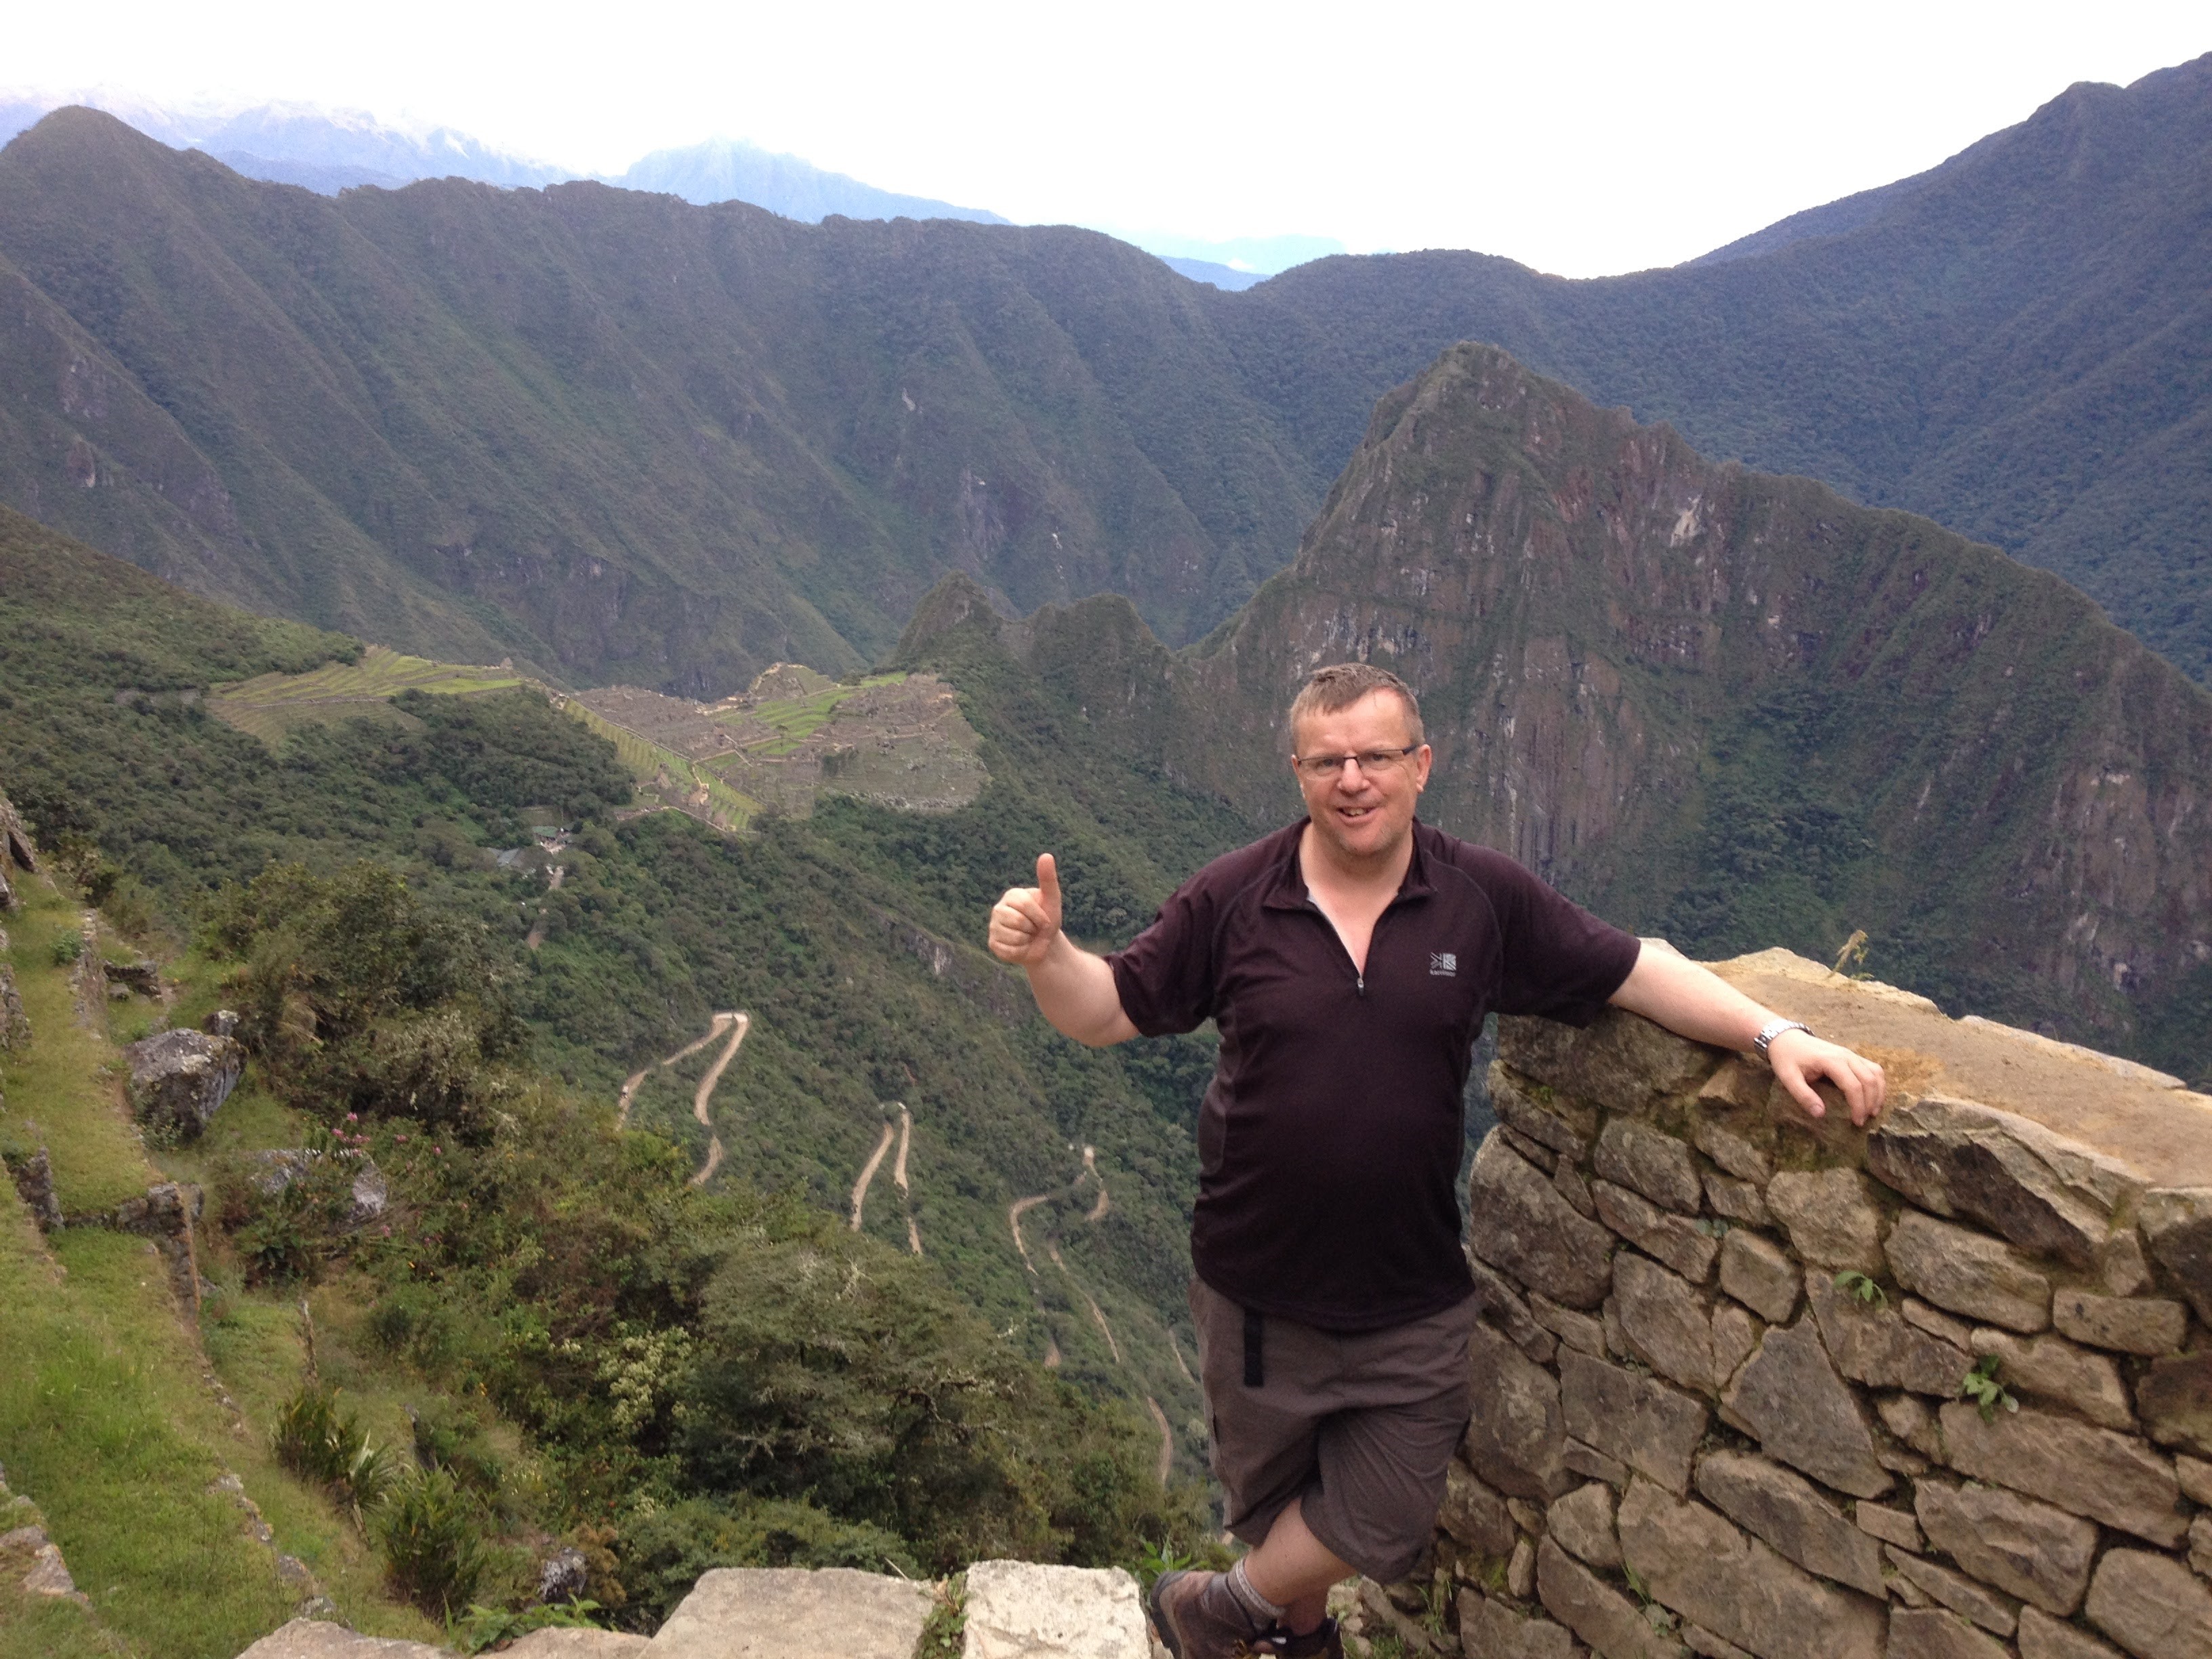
x=1303 y=764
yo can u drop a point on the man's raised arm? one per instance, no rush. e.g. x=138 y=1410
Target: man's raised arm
x=1694 y=1002
x=1073 y=989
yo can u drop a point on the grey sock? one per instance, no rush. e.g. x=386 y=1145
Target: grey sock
x=1264 y=1612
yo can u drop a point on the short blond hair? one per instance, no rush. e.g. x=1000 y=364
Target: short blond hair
x=1341 y=684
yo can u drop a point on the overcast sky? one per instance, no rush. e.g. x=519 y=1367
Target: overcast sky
x=1581 y=138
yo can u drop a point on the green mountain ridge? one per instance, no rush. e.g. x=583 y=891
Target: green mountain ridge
x=623 y=439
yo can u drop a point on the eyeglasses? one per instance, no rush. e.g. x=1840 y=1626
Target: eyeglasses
x=1375 y=762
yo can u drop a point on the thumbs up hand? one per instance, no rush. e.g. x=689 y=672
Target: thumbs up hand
x=1025 y=920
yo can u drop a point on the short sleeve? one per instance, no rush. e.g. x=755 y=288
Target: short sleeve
x=1165 y=976
x=1559 y=961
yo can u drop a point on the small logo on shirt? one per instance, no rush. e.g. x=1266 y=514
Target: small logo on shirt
x=1442 y=964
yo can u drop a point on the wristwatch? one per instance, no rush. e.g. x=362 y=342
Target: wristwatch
x=1773 y=1028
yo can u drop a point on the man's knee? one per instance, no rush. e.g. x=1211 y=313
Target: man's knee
x=1384 y=1542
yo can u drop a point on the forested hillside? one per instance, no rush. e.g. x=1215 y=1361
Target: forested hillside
x=611 y=433
x=845 y=938
x=623 y=439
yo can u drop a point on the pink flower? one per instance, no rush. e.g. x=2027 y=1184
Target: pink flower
x=353 y=1117
x=399 y=1140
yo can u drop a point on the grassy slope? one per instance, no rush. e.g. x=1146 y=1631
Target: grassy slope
x=109 y=1414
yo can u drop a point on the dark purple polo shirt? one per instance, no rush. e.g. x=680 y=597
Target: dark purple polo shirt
x=1329 y=1142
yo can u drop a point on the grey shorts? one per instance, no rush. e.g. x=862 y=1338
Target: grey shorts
x=1359 y=1426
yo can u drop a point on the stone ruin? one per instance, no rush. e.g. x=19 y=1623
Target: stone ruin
x=179 y=1079
x=1752 y=1383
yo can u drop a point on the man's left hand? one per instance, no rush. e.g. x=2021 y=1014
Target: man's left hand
x=1799 y=1058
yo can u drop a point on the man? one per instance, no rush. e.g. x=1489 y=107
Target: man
x=1348 y=962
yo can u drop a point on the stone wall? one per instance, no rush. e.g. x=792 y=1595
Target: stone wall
x=1749 y=1383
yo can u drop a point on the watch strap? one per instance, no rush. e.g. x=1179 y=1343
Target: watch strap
x=1773 y=1028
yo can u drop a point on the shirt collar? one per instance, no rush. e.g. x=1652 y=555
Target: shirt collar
x=1286 y=890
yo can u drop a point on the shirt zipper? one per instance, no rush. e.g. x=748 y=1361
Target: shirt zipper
x=1358 y=974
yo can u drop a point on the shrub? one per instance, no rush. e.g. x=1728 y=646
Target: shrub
x=429 y=1532
x=318 y=1441
x=446 y=1437
x=663 y=1548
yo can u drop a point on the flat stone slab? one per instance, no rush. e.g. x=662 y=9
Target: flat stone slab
x=1019 y=1610
x=318 y=1638
x=793 y=1613
x=552 y=1644
x=2162 y=1134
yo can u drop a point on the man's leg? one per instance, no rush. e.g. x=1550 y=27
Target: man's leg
x=1295 y=1570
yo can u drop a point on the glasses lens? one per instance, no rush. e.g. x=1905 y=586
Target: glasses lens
x=1329 y=765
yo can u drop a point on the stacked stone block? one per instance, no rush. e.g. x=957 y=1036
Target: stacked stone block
x=1749 y=1383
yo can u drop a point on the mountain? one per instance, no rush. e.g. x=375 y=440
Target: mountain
x=2017 y=343
x=1227 y=277
x=1733 y=708
x=478 y=424
x=730 y=170
x=304 y=144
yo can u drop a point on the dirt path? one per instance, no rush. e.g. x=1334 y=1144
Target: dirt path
x=715 y=1027
x=898 y=1179
x=1176 y=1348
x=1091 y=1168
x=537 y=928
x=740 y=1024
x=737 y=1025
x=1167 y=1438
x=1096 y=1214
x=868 y=1174
x=1052 y=1249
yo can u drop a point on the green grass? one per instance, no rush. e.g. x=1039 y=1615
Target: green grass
x=107 y=1419
x=271 y=705
x=794 y=719
x=64 y=1091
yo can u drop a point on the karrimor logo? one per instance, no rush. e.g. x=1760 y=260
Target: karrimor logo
x=1442 y=964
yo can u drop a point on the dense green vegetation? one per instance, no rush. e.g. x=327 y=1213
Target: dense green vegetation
x=629 y=440
x=700 y=1374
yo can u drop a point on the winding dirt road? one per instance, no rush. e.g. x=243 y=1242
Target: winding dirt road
x=868 y=1174
x=1096 y=1214
x=898 y=1179
x=736 y=1024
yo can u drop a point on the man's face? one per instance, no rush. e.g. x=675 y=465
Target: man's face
x=1363 y=815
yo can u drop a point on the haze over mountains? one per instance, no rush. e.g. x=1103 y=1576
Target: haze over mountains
x=329 y=150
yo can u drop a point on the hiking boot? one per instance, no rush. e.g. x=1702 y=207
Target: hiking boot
x=1199 y=1617
x=1323 y=1641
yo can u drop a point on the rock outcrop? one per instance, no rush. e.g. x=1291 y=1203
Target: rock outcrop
x=1949 y=1396
x=179 y=1079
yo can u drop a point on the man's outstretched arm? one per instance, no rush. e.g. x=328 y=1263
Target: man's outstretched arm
x=1073 y=989
x=1695 y=1002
